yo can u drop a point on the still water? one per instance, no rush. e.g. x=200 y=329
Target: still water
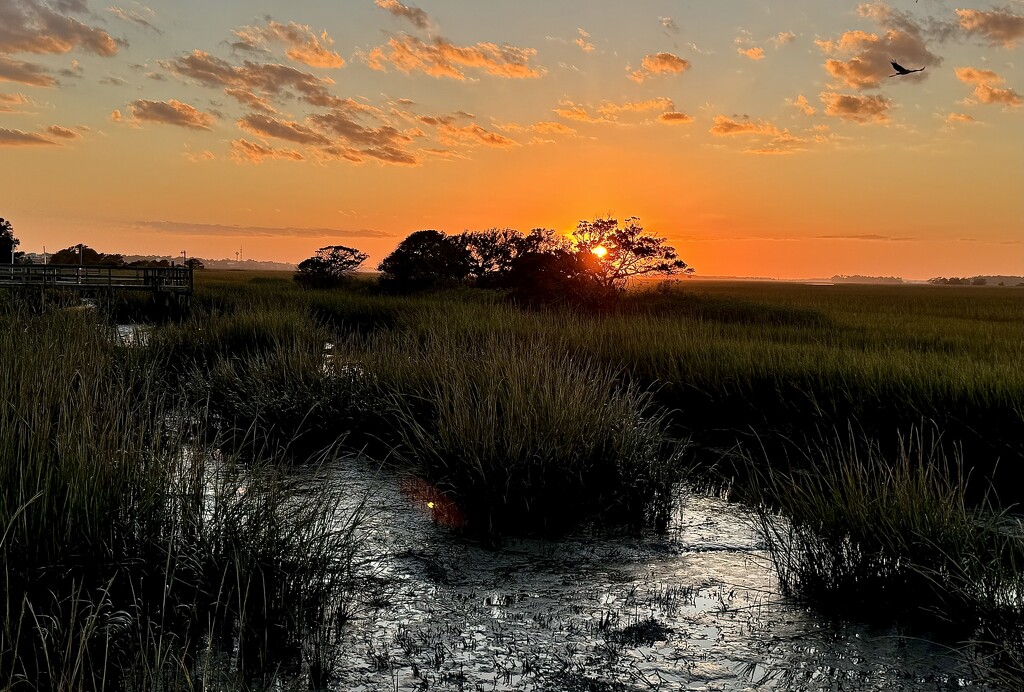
x=696 y=609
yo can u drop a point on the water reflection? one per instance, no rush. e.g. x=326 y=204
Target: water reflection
x=694 y=610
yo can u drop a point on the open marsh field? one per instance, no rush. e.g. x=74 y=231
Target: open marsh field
x=709 y=486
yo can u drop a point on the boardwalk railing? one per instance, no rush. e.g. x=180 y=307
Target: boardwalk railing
x=175 y=280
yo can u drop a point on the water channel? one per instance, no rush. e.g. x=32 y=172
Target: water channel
x=695 y=609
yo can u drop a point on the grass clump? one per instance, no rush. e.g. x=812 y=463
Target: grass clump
x=858 y=534
x=528 y=439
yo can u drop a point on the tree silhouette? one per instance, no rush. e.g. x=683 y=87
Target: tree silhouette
x=8 y=243
x=329 y=266
x=493 y=252
x=628 y=251
x=425 y=259
x=559 y=277
x=83 y=254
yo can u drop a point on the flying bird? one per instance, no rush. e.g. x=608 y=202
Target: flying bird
x=900 y=70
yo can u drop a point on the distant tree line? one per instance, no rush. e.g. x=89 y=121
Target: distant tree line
x=957 y=281
x=588 y=268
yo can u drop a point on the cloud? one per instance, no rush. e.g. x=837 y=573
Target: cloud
x=998 y=27
x=867 y=64
x=675 y=118
x=170 y=112
x=858 y=109
x=414 y=15
x=610 y=110
x=269 y=79
x=783 y=37
x=659 y=63
x=755 y=53
x=984 y=89
x=802 y=105
x=727 y=127
x=62 y=132
x=215 y=229
x=384 y=155
x=960 y=119
x=244 y=151
x=17 y=138
x=585 y=45
x=135 y=17
x=546 y=127
x=266 y=126
x=441 y=58
x=865 y=236
x=301 y=44
x=30 y=26
x=199 y=157
x=669 y=25
x=343 y=124
x=471 y=134
x=12 y=103
x=249 y=99
x=25 y=73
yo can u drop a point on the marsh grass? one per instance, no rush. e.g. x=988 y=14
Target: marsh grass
x=134 y=557
x=859 y=534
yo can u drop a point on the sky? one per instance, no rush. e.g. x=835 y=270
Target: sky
x=761 y=138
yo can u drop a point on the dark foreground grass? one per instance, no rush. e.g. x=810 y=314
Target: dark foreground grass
x=132 y=555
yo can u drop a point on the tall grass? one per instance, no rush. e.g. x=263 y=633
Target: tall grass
x=133 y=557
x=859 y=534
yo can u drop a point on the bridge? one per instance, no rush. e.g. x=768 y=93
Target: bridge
x=163 y=282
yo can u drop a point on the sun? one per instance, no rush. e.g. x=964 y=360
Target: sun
x=600 y=251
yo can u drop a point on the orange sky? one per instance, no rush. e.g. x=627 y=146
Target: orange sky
x=762 y=138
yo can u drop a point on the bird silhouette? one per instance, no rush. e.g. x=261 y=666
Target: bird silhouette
x=900 y=70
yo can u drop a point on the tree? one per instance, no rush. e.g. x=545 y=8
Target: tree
x=195 y=263
x=626 y=251
x=329 y=266
x=426 y=259
x=8 y=243
x=493 y=252
x=559 y=277
x=83 y=254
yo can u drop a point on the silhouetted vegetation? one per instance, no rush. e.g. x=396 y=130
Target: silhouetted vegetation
x=329 y=267
x=83 y=254
x=8 y=244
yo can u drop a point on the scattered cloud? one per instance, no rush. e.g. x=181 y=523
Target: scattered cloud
x=250 y=100
x=13 y=103
x=755 y=53
x=669 y=25
x=267 y=126
x=865 y=236
x=659 y=63
x=582 y=41
x=414 y=15
x=985 y=91
x=960 y=119
x=546 y=127
x=302 y=45
x=675 y=118
x=244 y=151
x=783 y=37
x=215 y=229
x=269 y=80
x=199 y=157
x=18 y=138
x=801 y=103
x=725 y=126
x=868 y=54
x=31 y=26
x=27 y=73
x=170 y=112
x=858 y=109
x=62 y=132
x=341 y=122
x=142 y=17
x=998 y=27
x=441 y=58
x=610 y=110
x=471 y=134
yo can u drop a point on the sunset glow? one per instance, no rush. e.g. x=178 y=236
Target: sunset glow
x=600 y=251
x=761 y=138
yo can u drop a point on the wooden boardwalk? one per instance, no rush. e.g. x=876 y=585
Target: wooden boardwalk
x=161 y=281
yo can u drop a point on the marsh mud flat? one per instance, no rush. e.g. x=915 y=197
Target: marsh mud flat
x=696 y=609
